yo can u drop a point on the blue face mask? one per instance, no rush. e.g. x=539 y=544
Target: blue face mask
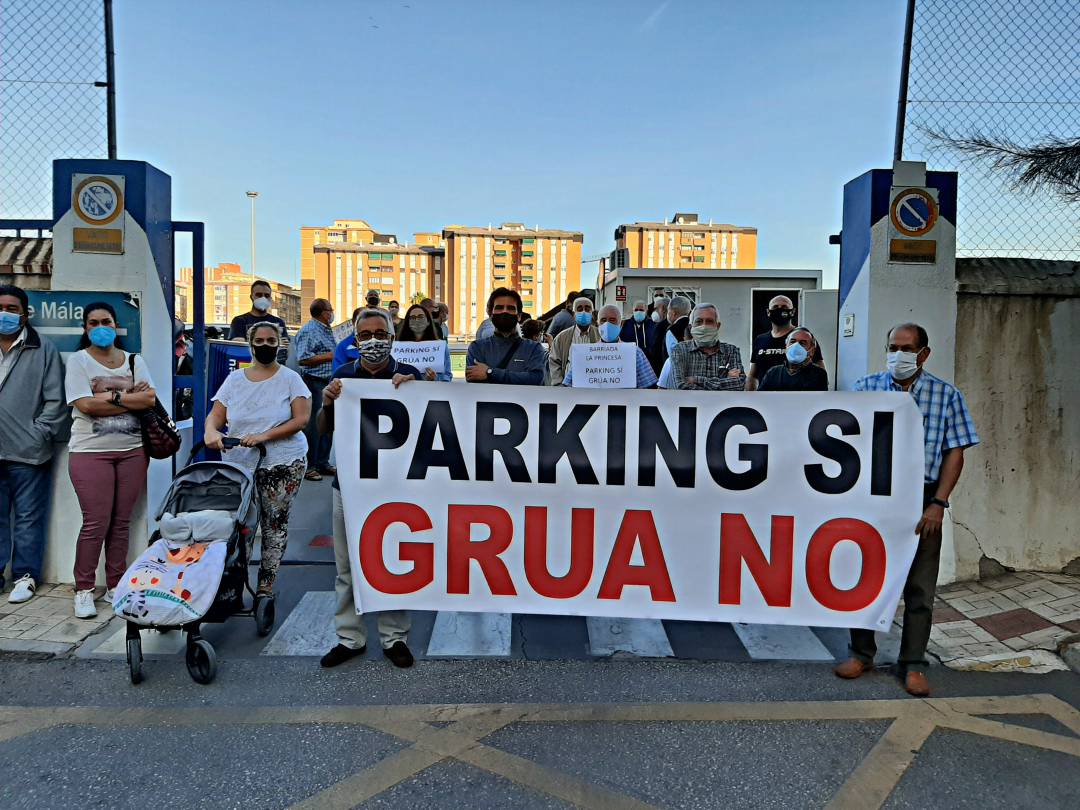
x=796 y=354
x=10 y=323
x=583 y=318
x=103 y=336
x=639 y=315
x=609 y=332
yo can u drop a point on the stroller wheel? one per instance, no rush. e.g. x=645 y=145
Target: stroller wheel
x=201 y=660
x=264 y=614
x=134 y=659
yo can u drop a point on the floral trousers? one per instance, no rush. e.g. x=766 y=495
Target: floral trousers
x=275 y=487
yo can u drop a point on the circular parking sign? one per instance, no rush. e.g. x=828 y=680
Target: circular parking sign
x=914 y=212
x=98 y=200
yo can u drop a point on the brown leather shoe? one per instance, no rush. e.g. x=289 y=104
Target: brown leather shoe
x=916 y=684
x=852 y=668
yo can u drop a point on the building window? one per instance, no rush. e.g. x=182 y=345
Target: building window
x=528 y=241
x=526 y=253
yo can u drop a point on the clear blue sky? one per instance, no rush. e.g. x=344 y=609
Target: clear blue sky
x=577 y=115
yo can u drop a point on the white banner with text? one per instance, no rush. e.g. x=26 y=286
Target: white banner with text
x=778 y=508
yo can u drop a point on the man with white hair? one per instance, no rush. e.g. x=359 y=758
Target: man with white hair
x=704 y=363
x=609 y=318
x=798 y=372
x=639 y=329
x=770 y=347
x=583 y=331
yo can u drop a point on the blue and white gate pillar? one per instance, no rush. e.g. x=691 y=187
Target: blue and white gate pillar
x=113 y=233
x=897 y=264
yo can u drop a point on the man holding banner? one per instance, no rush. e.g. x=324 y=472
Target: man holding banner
x=374 y=338
x=947 y=431
x=613 y=363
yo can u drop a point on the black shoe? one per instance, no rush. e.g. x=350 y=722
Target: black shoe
x=339 y=655
x=399 y=655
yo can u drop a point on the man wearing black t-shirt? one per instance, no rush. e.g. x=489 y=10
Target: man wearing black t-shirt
x=374 y=335
x=797 y=372
x=769 y=346
x=262 y=298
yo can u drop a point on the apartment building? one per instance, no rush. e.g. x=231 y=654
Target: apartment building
x=684 y=243
x=342 y=272
x=227 y=293
x=542 y=264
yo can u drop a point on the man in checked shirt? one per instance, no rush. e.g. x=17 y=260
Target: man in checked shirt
x=947 y=431
x=703 y=363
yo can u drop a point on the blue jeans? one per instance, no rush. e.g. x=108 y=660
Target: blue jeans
x=24 y=514
x=318 y=443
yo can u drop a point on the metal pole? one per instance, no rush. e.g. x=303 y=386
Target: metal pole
x=110 y=80
x=905 y=63
x=252 y=195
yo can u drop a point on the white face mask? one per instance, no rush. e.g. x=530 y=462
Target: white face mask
x=902 y=365
x=656 y=316
x=262 y=304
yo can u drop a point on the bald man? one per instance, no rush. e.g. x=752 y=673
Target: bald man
x=769 y=347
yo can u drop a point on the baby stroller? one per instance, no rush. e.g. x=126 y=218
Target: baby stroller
x=212 y=485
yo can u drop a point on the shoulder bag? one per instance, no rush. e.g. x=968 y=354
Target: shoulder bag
x=161 y=439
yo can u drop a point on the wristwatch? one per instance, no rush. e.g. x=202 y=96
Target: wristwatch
x=940 y=502
x=116 y=399
x=488 y=373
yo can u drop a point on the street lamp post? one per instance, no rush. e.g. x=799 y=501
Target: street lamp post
x=252 y=195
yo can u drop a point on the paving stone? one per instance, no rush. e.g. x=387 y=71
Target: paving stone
x=946 y=613
x=25 y=645
x=72 y=630
x=1074 y=626
x=1012 y=623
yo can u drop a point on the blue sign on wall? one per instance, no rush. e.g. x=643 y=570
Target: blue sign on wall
x=223 y=358
x=57 y=315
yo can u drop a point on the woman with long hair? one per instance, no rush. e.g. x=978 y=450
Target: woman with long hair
x=268 y=404
x=105 y=386
x=417 y=325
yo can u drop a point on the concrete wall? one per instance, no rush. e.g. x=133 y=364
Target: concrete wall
x=1018 y=502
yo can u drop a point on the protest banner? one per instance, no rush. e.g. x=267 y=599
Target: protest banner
x=421 y=354
x=604 y=365
x=780 y=508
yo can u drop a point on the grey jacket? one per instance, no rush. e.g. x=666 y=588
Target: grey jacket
x=33 y=413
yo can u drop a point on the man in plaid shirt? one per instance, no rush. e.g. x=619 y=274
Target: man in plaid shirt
x=315 y=347
x=947 y=431
x=704 y=363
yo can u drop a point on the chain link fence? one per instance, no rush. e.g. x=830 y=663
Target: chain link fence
x=1006 y=69
x=51 y=54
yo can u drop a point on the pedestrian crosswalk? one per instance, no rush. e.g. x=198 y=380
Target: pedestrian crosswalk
x=308 y=630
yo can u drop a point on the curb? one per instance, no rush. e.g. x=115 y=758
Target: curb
x=1069 y=650
x=39 y=650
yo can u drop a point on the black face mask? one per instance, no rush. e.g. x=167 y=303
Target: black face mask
x=504 y=321
x=264 y=354
x=780 y=317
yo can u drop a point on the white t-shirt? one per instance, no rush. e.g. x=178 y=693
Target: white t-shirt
x=667 y=376
x=84 y=376
x=256 y=407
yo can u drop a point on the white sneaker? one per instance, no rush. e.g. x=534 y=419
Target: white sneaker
x=23 y=590
x=84 y=604
x=109 y=594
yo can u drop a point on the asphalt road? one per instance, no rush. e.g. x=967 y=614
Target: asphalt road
x=274 y=732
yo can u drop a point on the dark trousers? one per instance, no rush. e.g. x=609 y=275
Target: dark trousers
x=919 y=590
x=318 y=454
x=24 y=514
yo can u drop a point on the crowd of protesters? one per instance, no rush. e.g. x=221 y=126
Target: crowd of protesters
x=290 y=417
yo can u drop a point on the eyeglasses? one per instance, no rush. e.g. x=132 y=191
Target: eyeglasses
x=382 y=334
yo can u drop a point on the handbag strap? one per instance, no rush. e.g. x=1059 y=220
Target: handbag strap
x=506 y=357
x=131 y=366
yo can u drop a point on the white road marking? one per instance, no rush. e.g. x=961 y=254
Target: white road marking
x=309 y=628
x=153 y=642
x=781 y=642
x=644 y=637
x=470 y=634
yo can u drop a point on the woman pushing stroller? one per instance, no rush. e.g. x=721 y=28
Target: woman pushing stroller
x=265 y=404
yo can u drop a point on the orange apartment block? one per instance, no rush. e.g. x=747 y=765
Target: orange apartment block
x=226 y=294
x=343 y=272
x=542 y=264
x=684 y=243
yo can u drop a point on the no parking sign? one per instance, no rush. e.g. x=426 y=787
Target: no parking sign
x=913 y=215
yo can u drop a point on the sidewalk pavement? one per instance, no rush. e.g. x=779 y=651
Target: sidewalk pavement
x=1012 y=622
x=47 y=624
